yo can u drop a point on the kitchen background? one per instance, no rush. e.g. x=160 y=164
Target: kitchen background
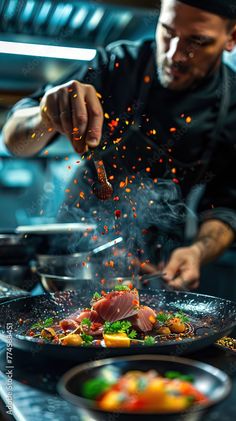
x=31 y=190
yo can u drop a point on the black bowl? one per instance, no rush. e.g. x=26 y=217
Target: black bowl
x=209 y=380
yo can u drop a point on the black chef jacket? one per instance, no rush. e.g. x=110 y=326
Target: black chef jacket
x=173 y=128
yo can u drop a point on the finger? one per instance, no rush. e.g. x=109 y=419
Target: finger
x=173 y=267
x=79 y=110
x=95 y=118
x=65 y=113
x=186 y=280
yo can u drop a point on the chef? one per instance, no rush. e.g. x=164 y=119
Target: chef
x=166 y=108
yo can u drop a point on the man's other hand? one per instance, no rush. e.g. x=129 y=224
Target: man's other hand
x=183 y=268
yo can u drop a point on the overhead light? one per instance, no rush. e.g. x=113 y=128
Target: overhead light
x=53 y=51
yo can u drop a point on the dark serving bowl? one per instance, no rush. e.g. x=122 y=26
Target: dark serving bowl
x=209 y=380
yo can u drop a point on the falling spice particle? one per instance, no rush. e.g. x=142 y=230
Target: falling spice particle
x=148 y=169
x=98 y=95
x=117 y=213
x=147 y=79
x=50 y=129
x=188 y=120
x=117 y=140
x=117 y=64
x=33 y=135
x=106 y=115
x=173 y=129
x=124 y=183
x=82 y=195
x=106 y=228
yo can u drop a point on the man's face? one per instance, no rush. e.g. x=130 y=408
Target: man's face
x=190 y=43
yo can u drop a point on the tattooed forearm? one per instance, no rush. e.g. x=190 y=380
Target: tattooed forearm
x=213 y=238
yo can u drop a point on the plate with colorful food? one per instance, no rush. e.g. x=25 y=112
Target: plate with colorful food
x=144 y=387
x=83 y=325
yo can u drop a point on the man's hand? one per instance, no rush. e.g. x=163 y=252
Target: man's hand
x=74 y=110
x=183 y=269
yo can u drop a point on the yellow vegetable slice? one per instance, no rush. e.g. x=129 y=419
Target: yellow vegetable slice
x=116 y=340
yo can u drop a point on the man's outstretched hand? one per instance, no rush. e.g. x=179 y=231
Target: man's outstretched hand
x=73 y=109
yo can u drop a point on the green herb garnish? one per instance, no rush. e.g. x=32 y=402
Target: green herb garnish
x=41 y=325
x=177 y=375
x=120 y=327
x=132 y=334
x=96 y=296
x=86 y=322
x=95 y=387
x=149 y=340
x=183 y=317
x=88 y=339
x=163 y=317
x=117 y=327
x=122 y=288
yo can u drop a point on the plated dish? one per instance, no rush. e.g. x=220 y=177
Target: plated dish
x=144 y=387
x=210 y=318
x=149 y=391
x=114 y=319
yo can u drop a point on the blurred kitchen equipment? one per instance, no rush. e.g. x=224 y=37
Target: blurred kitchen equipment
x=212 y=317
x=22 y=276
x=86 y=269
x=9 y=292
x=55 y=228
x=156 y=281
x=209 y=380
x=16 y=249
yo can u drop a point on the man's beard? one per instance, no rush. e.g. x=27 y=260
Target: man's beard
x=167 y=80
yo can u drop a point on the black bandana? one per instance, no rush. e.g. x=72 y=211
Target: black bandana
x=224 y=8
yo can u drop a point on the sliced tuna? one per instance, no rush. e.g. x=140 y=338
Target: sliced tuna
x=117 y=305
x=68 y=324
x=92 y=315
x=144 y=320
